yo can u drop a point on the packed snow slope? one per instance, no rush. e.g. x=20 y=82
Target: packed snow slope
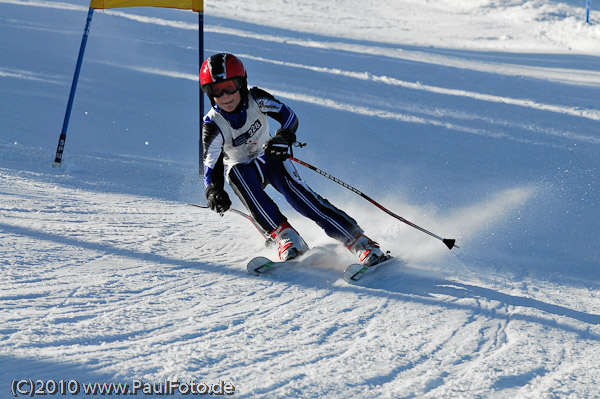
x=477 y=120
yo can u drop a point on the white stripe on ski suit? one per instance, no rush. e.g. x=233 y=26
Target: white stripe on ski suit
x=254 y=201
x=289 y=119
x=288 y=164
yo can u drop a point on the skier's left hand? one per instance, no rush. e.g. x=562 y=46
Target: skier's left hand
x=278 y=146
x=217 y=199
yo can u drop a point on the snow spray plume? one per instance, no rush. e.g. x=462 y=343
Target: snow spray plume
x=450 y=243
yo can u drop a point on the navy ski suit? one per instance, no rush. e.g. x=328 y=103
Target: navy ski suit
x=233 y=146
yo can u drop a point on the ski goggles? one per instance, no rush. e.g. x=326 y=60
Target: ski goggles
x=216 y=90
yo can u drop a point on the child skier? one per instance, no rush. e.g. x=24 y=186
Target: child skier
x=237 y=143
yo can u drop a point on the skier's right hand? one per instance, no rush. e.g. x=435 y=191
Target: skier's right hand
x=217 y=199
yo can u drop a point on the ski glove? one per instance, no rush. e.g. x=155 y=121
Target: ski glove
x=217 y=199
x=278 y=146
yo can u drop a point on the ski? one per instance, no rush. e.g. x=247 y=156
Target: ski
x=356 y=271
x=315 y=256
x=261 y=265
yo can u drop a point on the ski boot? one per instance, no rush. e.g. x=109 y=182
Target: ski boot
x=291 y=245
x=367 y=250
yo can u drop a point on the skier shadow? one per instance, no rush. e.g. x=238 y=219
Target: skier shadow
x=420 y=287
x=70 y=378
x=122 y=252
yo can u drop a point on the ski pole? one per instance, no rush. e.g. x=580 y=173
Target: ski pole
x=268 y=238
x=450 y=243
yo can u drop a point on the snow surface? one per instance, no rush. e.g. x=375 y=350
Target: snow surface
x=475 y=119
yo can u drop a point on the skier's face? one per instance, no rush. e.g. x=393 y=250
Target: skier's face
x=229 y=102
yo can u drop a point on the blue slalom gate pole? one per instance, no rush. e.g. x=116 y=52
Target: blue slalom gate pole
x=201 y=97
x=587 y=11
x=63 y=133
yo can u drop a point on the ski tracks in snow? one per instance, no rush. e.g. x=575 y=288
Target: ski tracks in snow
x=140 y=288
x=117 y=286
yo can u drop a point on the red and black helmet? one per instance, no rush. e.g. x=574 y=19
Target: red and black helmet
x=222 y=67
